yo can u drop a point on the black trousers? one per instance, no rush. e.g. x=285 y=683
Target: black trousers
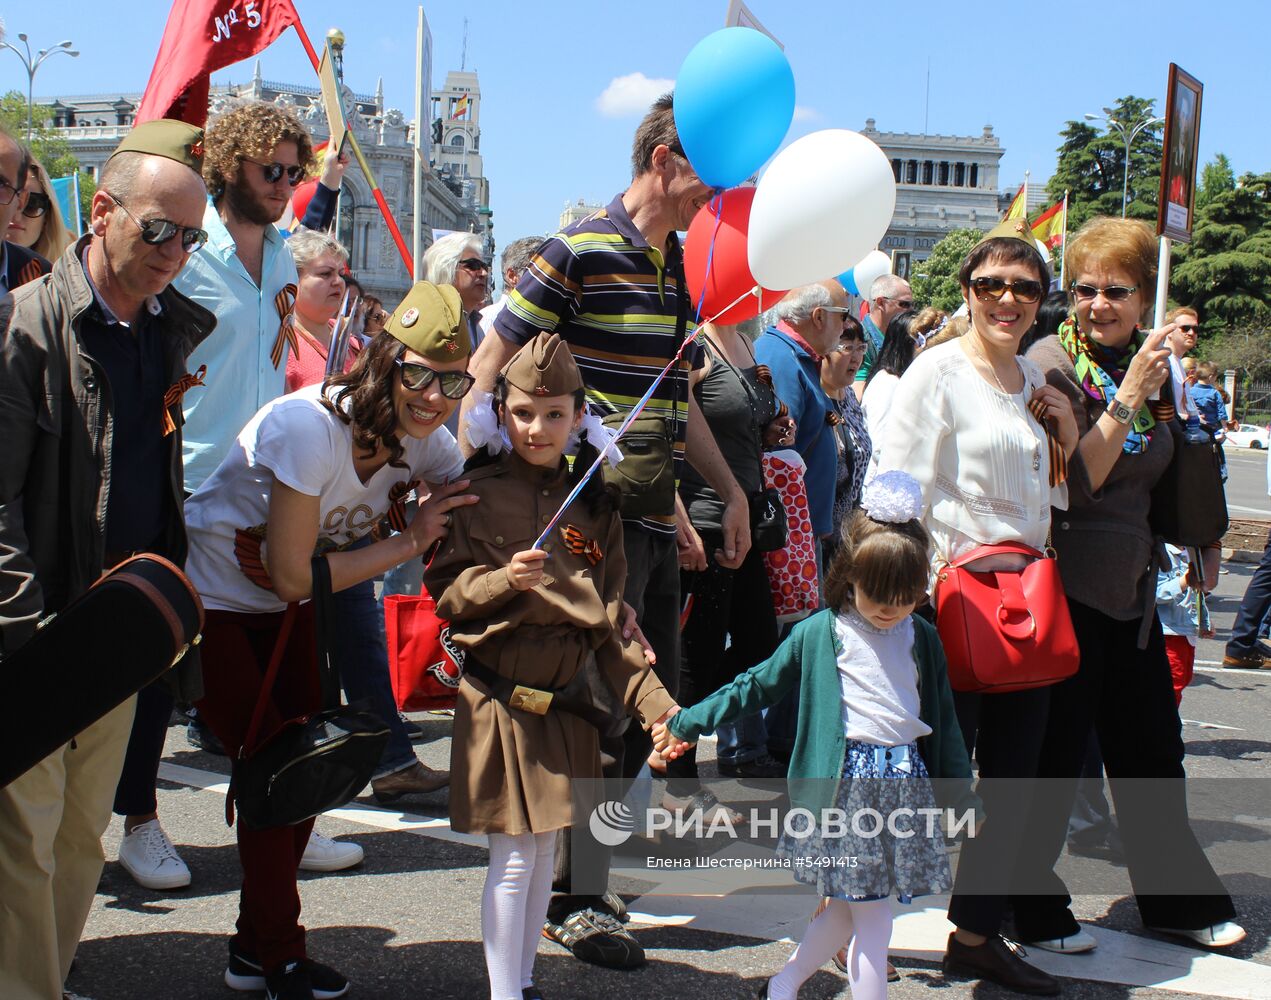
x=135 y=793
x=1126 y=695
x=728 y=604
x=653 y=589
x=1004 y=731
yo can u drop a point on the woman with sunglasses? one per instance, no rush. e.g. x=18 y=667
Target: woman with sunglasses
x=315 y=471
x=962 y=422
x=1109 y=369
x=38 y=225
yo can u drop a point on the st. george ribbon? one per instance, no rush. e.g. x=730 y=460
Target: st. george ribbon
x=643 y=401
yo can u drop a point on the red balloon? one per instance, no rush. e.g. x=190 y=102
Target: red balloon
x=302 y=196
x=719 y=275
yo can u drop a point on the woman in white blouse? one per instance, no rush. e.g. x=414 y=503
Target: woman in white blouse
x=959 y=423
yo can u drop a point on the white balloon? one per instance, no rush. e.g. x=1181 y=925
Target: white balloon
x=873 y=267
x=825 y=200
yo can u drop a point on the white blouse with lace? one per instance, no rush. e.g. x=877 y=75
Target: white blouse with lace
x=981 y=459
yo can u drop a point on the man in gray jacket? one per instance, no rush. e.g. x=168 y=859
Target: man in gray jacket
x=91 y=373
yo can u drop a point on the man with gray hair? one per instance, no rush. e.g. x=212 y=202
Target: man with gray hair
x=516 y=258
x=809 y=325
x=92 y=371
x=889 y=296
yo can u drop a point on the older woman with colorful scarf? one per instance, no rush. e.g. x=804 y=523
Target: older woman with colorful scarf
x=1110 y=369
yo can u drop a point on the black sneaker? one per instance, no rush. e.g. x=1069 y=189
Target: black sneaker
x=762 y=766
x=414 y=731
x=531 y=993
x=598 y=938
x=291 y=982
x=202 y=738
x=245 y=974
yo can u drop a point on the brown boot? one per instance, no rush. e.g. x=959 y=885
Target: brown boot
x=415 y=779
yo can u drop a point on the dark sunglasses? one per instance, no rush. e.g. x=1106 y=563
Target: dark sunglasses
x=1113 y=293
x=903 y=303
x=156 y=231
x=989 y=289
x=474 y=264
x=273 y=172
x=417 y=377
x=37 y=203
x=1188 y=327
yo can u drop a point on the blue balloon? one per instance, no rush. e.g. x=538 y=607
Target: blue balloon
x=734 y=101
x=848 y=280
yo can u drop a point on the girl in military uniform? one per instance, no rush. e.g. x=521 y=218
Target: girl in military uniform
x=529 y=621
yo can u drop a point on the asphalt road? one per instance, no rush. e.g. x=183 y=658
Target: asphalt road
x=1247 y=483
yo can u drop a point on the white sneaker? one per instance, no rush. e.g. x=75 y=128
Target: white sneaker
x=149 y=857
x=1222 y=935
x=1074 y=944
x=322 y=854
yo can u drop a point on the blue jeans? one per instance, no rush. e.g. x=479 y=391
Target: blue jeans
x=357 y=646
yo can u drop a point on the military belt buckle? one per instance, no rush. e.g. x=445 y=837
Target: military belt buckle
x=529 y=699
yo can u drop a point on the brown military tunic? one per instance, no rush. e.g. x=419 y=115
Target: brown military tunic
x=511 y=770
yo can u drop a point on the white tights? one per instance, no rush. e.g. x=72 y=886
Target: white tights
x=866 y=924
x=514 y=902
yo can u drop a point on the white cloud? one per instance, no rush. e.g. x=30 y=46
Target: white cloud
x=631 y=95
x=805 y=114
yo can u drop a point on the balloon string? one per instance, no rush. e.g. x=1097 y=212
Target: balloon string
x=717 y=206
x=635 y=412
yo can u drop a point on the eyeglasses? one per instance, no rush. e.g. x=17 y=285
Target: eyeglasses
x=988 y=289
x=1113 y=293
x=903 y=303
x=474 y=264
x=417 y=377
x=848 y=347
x=273 y=171
x=1188 y=327
x=37 y=203
x=156 y=231
x=7 y=192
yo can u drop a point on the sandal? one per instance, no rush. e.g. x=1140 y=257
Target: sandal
x=840 y=963
x=703 y=801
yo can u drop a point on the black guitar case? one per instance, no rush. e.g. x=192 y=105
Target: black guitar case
x=134 y=624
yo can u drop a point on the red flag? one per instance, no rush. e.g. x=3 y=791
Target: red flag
x=201 y=37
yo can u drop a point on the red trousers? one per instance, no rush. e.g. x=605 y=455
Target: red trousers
x=236 y=650
x=1182 y=659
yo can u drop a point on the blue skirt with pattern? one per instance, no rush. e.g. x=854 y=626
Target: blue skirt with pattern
x=864 y=858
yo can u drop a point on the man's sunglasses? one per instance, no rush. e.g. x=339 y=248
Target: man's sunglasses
x=1188 y=327
x=156 y=231
x=903 y=303
x=1113 y=293
x=417 y=377
x=989 y=289
x=37 y=203
x=273 y=171
x=474 y=264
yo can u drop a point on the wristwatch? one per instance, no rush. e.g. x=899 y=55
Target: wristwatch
x=1121 y=413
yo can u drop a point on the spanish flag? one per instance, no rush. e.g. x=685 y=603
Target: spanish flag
x=461 y=109
x=1051 y=224
x=1019 y=206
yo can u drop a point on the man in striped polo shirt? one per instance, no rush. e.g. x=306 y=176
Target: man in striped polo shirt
x=612 y=286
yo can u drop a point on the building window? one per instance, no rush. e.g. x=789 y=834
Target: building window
x=911 y=172
x=927 y=169
x=944 y=173
x=456 y=140
x=959 y=174
x=896 y=167
x=975 y=176
x=348 y=208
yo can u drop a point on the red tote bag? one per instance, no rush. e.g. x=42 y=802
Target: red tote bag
x=792 y=573
x=424 y=665
x=1005 y=630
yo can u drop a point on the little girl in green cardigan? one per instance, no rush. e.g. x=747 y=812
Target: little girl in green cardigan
x=875 y=719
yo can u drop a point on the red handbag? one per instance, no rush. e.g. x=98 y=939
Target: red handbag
x=424 y=665
x=1005 y=630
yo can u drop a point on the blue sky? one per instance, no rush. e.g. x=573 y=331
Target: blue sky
x=548 y=137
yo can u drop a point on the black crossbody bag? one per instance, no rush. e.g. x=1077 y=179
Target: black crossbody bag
x=313 y=763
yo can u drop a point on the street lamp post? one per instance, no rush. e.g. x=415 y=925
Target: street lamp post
x=1128 y=134
x=32 y=64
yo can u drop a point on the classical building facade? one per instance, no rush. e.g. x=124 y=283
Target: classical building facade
x=453 y=200
x=575 y=212
x=943 y=182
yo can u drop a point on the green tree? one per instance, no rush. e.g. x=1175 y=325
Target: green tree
x=936 y=280
x=1225 y=272
x=1091 y=164
x=1215 y=178
x=50 y=148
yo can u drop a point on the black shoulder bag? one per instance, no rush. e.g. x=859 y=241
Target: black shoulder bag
x=1189 y=505
x=310 y=764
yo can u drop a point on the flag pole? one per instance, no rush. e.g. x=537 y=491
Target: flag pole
x=421 y=129
x=1063 y=257
x=1025 y=205
x=385 y=211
